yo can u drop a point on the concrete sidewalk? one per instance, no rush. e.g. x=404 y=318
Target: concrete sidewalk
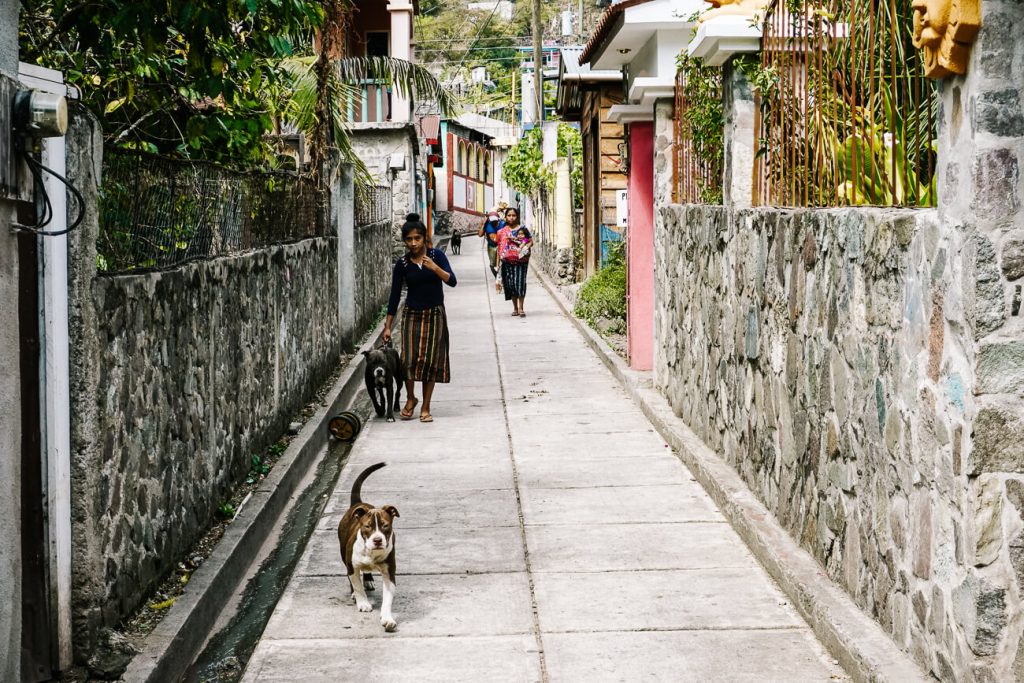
x=546 y=533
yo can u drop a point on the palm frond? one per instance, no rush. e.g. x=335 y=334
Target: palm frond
x=299 y=109
x=409 y=79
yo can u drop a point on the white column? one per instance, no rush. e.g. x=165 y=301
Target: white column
x=401 y=48
x=343 y=216
x=563 y=205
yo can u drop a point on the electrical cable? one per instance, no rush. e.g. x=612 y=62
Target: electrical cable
x=37 y=170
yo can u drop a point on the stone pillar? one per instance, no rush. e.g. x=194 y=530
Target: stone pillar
x=401 y=48
x=664 y=150
x=980 y=147
x=342 y=213
x=563 y=205
x=739 y=138
x=10 y=391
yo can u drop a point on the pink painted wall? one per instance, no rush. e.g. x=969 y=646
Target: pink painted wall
x=640 y=248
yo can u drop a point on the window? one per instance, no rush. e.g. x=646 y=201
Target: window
x=459 y=157
x=487 y=167
x=378 y=44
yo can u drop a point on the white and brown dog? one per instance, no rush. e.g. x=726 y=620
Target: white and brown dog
x=368 y=544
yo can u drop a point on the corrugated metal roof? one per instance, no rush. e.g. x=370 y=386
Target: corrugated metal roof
x=430 y=127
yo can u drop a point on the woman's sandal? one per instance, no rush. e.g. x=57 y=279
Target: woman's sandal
x=406 y=412
x=426 y=417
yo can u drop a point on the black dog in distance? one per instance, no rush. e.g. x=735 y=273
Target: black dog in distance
x=384 y=377
x=456 y=243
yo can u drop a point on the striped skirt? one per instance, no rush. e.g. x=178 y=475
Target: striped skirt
x=425 y=345
x=513 y=279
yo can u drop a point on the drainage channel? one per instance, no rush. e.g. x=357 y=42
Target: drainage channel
x=226 y=654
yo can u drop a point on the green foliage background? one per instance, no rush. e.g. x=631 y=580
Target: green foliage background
x=191 y=77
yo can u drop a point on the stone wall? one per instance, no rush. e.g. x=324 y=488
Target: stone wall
x=178 y=377
x=375 y=144
x=828 y=356
x=373 y=246
x=188 y=374
x=557 y=263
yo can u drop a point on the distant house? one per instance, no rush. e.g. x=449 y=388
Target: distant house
x=469 y=182
x=384 y=131
x=586 y=96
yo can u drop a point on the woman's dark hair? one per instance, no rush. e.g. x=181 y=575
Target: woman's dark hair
x=412 y=224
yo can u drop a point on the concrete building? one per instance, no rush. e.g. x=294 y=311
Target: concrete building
x=383 y=127
x=469 y=181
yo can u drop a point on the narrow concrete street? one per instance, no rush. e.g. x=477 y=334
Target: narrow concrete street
x=546 y=533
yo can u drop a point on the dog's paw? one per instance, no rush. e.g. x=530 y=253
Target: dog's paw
x=364 y=606
x=389 y=624
x=391 y=418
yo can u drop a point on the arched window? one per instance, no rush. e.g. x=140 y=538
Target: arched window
x=459 y=156
x=487 y=167
x=480 y=163
x=471 y=169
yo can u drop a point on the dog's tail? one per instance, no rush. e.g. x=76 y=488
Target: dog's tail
x=357 y=487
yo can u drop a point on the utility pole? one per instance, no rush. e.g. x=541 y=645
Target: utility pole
x=515 y=117
x=538 y=62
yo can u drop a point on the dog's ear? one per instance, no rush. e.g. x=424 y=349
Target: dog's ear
x=366 y=354
x=391 y=510
x=360 y=510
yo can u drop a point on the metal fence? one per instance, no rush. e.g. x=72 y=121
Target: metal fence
x=157 y=212
x=373 y=205
x=845 y=114
x=697 y=167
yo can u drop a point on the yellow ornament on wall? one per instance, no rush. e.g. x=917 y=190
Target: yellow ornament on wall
x=944 y=31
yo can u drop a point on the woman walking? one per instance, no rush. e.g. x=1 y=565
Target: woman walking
x=424 y=325
x=514 y=244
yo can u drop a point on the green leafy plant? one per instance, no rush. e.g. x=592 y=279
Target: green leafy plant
x=703 y=120
x=570 y=145
x=602 y=298
x=226 y=510
x=524 y=167
x=259 y=466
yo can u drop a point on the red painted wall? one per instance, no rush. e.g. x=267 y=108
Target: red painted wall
x=640 y=248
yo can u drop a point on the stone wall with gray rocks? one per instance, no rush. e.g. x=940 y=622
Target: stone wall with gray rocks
x=177 y=378
x=830 y=357
x=186 y=373
x=559 y=264
x=373 y=246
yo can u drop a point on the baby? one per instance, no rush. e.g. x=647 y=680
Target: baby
x=523 y=241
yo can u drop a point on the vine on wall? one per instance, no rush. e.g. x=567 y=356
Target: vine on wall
x=703 y=120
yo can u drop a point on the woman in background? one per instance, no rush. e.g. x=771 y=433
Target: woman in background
x=422 y=271
x=514 y=254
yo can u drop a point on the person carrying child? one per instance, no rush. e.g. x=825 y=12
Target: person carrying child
x=489 y=230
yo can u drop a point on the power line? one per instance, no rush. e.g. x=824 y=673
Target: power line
x=448 y=40
x=479 y=33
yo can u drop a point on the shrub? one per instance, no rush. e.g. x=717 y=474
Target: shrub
x=602 y=298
